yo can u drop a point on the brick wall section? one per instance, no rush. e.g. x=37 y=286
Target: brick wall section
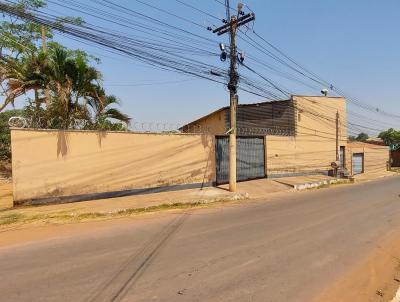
x=266 y=118
x=275 y=118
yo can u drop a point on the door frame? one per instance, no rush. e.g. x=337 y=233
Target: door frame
x=362 y=162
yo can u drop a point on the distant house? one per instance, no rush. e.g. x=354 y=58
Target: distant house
x=366 y=157
x=375 y=141
x=394 y=154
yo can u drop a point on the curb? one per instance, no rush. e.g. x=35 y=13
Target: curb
x=227 y=197
x=313 y=185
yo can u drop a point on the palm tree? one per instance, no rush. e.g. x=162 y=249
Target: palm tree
x=70 y=80
x=105 y=113
x=74 y=88
x=20 y=76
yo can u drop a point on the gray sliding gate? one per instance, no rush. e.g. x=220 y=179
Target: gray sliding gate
x=250 y=161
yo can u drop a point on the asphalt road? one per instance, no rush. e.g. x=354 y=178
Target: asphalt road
x=285 y=249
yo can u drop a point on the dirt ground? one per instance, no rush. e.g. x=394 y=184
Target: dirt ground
x=6 y=199
x=375 y=278
x=5 y=169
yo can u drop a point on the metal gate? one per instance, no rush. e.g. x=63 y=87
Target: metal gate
x=250 y=159
x=358 y=163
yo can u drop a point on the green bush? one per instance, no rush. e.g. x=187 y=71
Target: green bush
x=5 y=137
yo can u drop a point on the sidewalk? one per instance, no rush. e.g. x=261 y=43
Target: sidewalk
x=374 y=175
x=103 y=208
x=129 y=205
x=136 y=204
x=259 y=188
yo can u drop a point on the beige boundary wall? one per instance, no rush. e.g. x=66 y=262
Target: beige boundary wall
x=376 y=157
x=51 y=164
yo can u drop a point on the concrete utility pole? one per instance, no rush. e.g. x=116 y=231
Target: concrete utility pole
x=231 y=26
x=337 y=136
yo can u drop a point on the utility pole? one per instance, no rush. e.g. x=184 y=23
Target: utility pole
x=44 y=49
x=231 y=26
x=337 y=136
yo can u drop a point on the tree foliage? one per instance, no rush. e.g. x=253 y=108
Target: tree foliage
x=75 y=98
x=18 y=36
x=104 y=112
x=61 y=87
x=66 y=86
x=391 y=137
x=5 y=137
x=362 y=137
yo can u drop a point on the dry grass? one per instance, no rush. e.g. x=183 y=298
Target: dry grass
x=6 y=196
x=8 y=219
x=395 y=169
x=23 y=216
x=17 y=218
x=5 y=169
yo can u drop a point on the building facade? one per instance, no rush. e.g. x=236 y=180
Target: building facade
x=302 y=135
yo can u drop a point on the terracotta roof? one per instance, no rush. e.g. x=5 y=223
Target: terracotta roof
x=355 y=144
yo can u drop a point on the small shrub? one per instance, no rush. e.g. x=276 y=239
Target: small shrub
x=5 y=136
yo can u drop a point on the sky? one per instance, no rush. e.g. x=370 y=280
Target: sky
x=353 y=44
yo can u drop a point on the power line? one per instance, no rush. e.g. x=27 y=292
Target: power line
x=150 y=83
x=164 y=55
x=197 y=9
x=312 y=76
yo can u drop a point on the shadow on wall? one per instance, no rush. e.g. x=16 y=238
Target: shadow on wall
x=111 y=163
x=208 y=145
x=117 y=176
x=62 y=143
x=100 y=136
